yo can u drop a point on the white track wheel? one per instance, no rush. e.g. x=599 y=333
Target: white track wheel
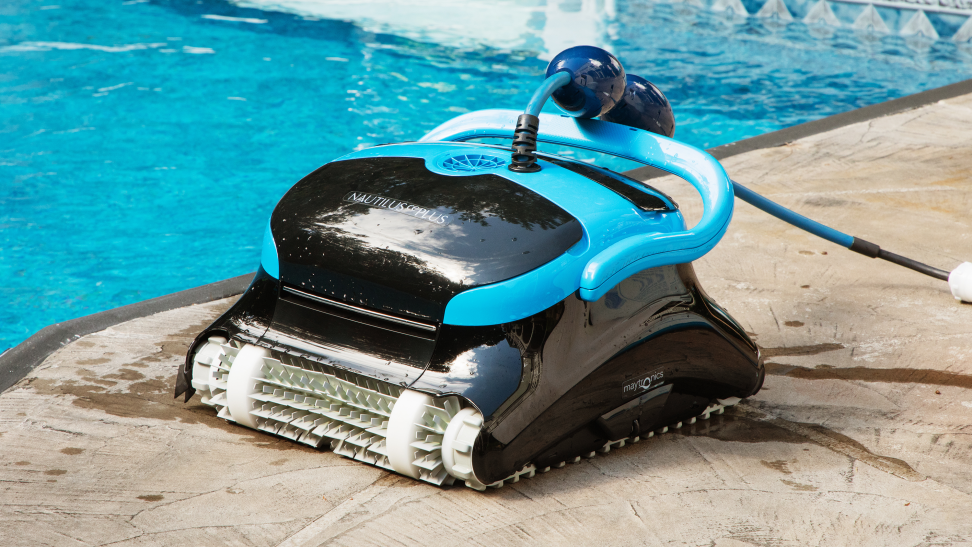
x=202 y=361
x=403 y=430
x=242 y=383
x=457 y=446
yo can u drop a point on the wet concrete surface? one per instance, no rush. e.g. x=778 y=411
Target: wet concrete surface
x=862 y=434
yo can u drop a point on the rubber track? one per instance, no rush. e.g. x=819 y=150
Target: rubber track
x=529 y=471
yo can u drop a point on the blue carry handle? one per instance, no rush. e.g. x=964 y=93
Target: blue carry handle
x=638 y=252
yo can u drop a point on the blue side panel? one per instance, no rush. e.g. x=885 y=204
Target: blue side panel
x=268 y=255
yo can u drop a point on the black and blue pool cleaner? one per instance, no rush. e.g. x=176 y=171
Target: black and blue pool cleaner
x=451 y=311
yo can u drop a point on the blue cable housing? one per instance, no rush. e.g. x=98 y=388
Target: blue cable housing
x=544 y=92
x=791 y=217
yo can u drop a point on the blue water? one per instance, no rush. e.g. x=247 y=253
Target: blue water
x=143 y=145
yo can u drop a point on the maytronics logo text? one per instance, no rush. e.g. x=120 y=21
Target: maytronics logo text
x=644 y=382
x=381 y=202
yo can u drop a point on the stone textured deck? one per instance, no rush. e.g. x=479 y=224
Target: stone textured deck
x=861 y=436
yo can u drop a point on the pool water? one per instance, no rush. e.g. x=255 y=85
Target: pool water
x=143 y=144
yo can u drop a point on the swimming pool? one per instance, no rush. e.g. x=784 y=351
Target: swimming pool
x=144 y=143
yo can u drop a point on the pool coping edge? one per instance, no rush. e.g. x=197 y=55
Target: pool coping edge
x=18 y=361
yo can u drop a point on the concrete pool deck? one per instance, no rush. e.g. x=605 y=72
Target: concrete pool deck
x=862 y=434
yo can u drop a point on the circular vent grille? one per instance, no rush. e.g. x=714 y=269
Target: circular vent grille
x=472 y=162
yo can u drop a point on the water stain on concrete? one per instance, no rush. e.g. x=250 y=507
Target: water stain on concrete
x=179 y=346
x=175 y=346
x=22 y=463
x=798 y=351
x=55 y=472
x=72 y=451
x=731 y=427
x=126 y=374
x=91 y=376
x=846 y=445
x=777 y=465
x=799 y=486
x=395 y=480
x=152 y=398
x=836 y=442
x=108 y=383
x=152 y=497
x=749 y=425
x=881 y=375
x=98 y=361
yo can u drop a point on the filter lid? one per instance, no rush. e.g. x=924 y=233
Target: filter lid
x=388 y=233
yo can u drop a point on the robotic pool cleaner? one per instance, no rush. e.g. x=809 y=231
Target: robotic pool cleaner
x=448 y=311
